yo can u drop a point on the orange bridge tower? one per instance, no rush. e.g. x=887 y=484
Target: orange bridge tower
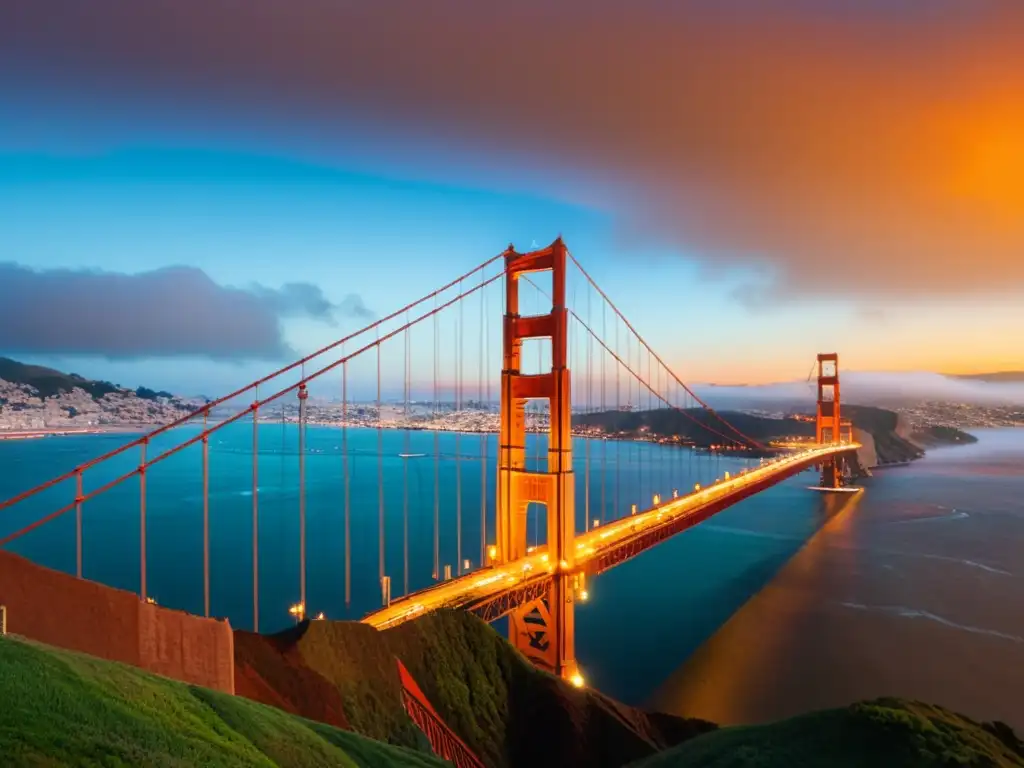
x=543 y=630
x=829 y=422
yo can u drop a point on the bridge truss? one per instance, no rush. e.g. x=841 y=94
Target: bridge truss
x=473 y=462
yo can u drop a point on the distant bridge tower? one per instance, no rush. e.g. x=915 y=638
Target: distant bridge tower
x=829 y=424
x=543 y=630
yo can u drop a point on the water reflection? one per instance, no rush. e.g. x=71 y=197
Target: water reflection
x=912 y=589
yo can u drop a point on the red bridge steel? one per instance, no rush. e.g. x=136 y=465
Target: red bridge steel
x=498 y=591
x=443 y=740
x=536 y=585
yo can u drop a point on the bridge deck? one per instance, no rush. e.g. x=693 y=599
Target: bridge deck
x=493 y=592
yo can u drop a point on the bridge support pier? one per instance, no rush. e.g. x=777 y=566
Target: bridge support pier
x=544 y=630
x=828 y=424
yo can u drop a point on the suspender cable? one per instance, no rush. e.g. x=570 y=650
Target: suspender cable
x=79 y=493
x=458 y=449
x=303 y=394
x=651 y=479
x=538 y=431
x=483 y=435
x=255 y=517
x=206 y=518
x=604 y=432
x=142 y=520
x=405 y=467
x=629 y=445
x=590 y=397
x=741 y=438
x=380 y=478
x=348 y=487
x=618 y=445
x=437 y=451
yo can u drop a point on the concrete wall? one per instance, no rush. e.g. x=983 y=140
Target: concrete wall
x=58 y=609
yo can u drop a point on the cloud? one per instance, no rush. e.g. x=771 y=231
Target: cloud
x=872 y=148
x=873 y=387
x=353 y=306
x=170 y=312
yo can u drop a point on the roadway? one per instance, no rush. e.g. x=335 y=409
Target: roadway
x=598 y=549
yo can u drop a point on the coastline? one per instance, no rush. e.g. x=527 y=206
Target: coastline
x=902 y=459
x=35 y=434
x=879 y=600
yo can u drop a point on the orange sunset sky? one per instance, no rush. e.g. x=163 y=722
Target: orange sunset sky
x=784 y=177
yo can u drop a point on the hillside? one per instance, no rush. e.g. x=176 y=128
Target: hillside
x=692 y=426
x=886 y=732
x=1000 y=377
x=64 y=708
x=48 y=382
x=507 y=712
x=35 y=397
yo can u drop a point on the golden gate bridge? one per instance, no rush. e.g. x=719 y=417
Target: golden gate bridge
x=593 y=518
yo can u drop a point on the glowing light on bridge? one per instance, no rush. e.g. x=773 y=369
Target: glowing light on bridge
x=613 y=369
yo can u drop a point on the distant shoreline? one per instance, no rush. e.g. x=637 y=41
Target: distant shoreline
x=31 y=434
x=35 y=434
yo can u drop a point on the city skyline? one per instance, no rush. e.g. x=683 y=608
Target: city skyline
x=877 y=218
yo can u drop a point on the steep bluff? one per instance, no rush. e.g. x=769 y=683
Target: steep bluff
x=507 y=712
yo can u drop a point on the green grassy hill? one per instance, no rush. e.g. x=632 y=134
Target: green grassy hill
x=887 y=732
x=60 y=708
x=508 y=712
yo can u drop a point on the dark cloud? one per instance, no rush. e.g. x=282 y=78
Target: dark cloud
x=858 y=148
x=166 y=312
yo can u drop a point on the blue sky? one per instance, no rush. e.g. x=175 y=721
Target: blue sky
x=744 y=210
x=257 y=218
x=247 y=218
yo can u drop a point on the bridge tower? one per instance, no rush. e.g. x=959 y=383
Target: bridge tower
x=829 y=424
x=542 y=630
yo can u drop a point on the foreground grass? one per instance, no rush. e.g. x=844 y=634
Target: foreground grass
x=63 y=708
x=885 y=732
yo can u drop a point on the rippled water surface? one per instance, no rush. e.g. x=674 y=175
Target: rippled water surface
x=914 y=588
x=789 y=600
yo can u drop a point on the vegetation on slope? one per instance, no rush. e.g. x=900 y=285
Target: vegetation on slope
x=939 y=435
x=693 y=426
x=48 y=381
x=507 y=712
x=885 y=732
x=64 y=708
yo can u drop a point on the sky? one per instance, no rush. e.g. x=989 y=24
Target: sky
x=193 y=192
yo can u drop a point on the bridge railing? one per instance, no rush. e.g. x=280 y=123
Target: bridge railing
x=443 y=740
